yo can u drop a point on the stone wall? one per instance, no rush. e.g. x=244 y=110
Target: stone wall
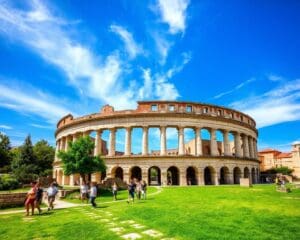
x=12 y=199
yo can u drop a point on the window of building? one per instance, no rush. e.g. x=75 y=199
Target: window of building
x=154 y=107
x=171 y=108
x=242 y=118
x=205 y=110
x=219 y=112
x=232 y=115
x=189 y=108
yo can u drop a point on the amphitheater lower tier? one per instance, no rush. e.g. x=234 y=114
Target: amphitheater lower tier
x=162 y=170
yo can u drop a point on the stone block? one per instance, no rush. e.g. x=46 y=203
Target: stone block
x=245 y=182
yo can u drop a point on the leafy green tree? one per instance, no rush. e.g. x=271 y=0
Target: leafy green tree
x=44 y=154
x=79 y=158
x=5 y=155
x=24 y=166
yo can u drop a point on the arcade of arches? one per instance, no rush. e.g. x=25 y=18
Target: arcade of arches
x=211 y=160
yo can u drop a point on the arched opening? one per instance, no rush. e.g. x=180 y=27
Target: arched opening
x=236 y=175
x=220 y=142
x=136 y=173
x=253 y=175
x=191 y=176
x=117 y=173
x=173 y=176
x=209 y=176
x=246 y=172
x=154 y=176
x=189 y=141
x=224 y=175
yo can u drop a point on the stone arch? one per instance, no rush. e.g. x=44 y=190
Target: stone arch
x=237 y=175
x=246 y=172
x=209 y=176
x=173 y=176
x=154 y=176
x=136 y=172
x=253 y=175
x=224 y=175
x=191 y=176
x=117 y=172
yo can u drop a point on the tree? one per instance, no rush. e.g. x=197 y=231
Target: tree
x=79 y=158
x=44 y=154
x=5 y=155
x=24 y=166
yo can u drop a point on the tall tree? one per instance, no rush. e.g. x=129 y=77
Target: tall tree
x=44 y=154
x=24 y=166
x=5 y=155
x=79 y=158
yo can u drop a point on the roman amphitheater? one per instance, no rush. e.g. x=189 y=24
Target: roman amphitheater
x=223 y=148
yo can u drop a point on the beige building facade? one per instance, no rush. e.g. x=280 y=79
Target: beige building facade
x=199 y=162
x=272 y=158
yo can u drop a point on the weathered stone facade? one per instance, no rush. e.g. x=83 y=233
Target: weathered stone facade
x=197 y=163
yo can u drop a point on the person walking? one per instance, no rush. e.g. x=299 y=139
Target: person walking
x=38 y=197
x=30 y=199
x=138 y=189
x=131 y=189
x=93 y=194
x=144 y=190
x=114 y=189
x=84 y=189
x=51 y=193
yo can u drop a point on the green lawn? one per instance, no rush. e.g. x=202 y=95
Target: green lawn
x=222 y=212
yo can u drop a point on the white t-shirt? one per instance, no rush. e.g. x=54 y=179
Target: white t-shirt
x=52 y=191
x=93 y=192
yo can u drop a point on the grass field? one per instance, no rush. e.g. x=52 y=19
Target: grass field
x=222 y=212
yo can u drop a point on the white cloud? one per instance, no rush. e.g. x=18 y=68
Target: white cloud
x=98 y=77
x=163 y=47
x=274 y=78
x=131 y=46
x=276 y=106
x=173 y=12
x=145 y=92
x=187 y=56
x=43 y=126
x=33 y=102
x=234 y=88
x=5 y=127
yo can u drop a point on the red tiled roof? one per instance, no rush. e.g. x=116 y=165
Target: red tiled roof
x=284 y=155
x=268 y=150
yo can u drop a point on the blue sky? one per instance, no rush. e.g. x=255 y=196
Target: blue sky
x=60 y=57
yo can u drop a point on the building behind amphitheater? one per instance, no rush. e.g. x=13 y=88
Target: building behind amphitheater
x=210 y=161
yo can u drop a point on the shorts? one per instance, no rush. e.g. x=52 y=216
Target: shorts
x=51 y=198
x=131 y=193
x=29 y=201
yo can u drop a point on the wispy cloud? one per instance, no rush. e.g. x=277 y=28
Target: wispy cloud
x=274 y=77
x=33 y=102
x=93 y=75
x=234 y=88
x=163 y=46
x=43 y=126
x=131 y=46
x=5 y=127
x=173 y=12
x=281 y=104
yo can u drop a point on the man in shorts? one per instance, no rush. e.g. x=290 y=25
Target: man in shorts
x=51 y=192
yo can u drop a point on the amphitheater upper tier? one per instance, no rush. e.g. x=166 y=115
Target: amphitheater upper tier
x=236 y=148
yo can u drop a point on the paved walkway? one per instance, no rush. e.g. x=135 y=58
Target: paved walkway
x=60 y=204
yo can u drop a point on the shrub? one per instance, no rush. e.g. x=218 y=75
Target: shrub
x=8 y=182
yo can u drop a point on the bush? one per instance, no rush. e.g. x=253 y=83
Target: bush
x=8 y=182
